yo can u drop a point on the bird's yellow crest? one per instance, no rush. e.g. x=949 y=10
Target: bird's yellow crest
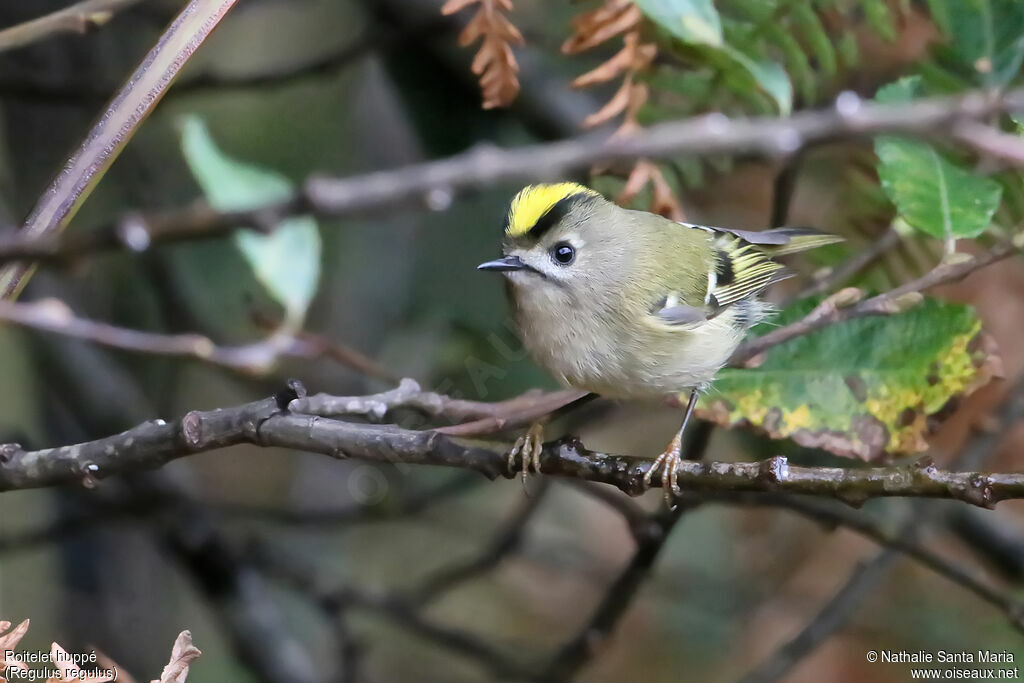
x=533 y=201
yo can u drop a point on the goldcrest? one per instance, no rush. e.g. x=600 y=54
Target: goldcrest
x=630 y=304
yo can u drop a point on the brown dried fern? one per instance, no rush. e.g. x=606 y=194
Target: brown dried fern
x=494 y=64
x=101 y=670
x=593 y=28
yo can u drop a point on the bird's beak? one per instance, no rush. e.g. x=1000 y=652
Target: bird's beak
x=504 y=264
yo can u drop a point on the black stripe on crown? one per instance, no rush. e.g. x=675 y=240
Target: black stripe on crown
x=555 y=214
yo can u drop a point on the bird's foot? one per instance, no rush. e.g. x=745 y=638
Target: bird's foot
x=669 y=463
x=528 y=448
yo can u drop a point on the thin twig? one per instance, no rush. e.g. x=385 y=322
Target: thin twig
x=81 y=17
x=857 y=264
x=408 y=505
x=650 y=539
x=508 y=415
x=504 y=543
x=256 y=358
x=841 y=516
x=893 y=301
x=336 y=600
x=484 y=418
x=635 y=517
x=259 y=358
x=990 y=141
x=832 y=616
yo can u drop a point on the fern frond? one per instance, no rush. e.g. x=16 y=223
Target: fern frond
x=494 y=63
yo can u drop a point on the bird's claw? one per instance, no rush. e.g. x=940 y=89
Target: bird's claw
x=669 y=463
x=528 y=449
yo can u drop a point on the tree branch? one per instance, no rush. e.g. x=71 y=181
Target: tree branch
x=895 y=539
x=268 y=423
x=856 y=264
x=650 y=538
x=256 y=358
x=81 y=17
x=504 y=543
x=60 y=202
x=335 y=601
x=433 y=183
x=832 y=616
x=476 y=417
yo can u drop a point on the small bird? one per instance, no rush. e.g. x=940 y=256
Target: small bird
x=628 y=304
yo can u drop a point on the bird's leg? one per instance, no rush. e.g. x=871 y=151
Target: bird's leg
x=528 y=448
x=672 y=458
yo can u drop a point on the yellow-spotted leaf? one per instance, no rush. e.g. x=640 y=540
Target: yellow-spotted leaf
x=860 y=388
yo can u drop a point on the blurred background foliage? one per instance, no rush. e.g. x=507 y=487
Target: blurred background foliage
x=289 y=88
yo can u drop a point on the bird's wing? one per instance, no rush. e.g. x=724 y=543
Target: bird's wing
x=743 y=267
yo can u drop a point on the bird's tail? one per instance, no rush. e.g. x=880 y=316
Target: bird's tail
x=782 y=241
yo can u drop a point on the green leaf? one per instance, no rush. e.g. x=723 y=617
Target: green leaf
x=900 y=91
x=697 y=23
x=932 y=193
x=286 y=261
x=767 y=75
x=880 y=18
x=862 y=387
x=986 y=38
x=797 y=63
x=848 y=50
x=813 y=31
x=939 y=9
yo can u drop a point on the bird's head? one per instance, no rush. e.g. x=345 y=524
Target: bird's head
x=553 y=237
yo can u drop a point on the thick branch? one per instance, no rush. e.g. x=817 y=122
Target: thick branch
x=268 y=423
x=434 y=183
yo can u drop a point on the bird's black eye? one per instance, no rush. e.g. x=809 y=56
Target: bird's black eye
x=563 y=253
